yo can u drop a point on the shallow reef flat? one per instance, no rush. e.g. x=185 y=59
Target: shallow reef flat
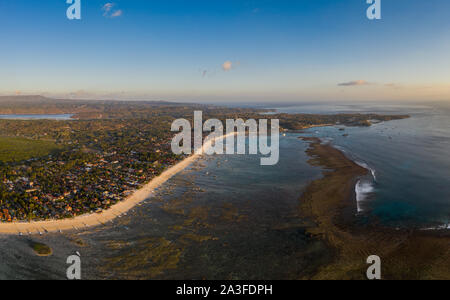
x=328 y=203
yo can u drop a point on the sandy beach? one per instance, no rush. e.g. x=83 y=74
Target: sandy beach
x=95 y=219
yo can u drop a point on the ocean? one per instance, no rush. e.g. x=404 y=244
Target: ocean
x=60 y=117
x=227 y=217
x=409 y=161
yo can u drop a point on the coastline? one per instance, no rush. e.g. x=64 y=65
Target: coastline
x=95 y=219
x=327 y=199
x=330 y=204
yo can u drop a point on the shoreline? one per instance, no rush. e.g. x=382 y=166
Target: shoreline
x=327 y=199
x=330 y=203
x=115 y=211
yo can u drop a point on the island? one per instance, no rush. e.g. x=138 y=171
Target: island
x=59 y=169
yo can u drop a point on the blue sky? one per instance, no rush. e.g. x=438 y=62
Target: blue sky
x=227 y=50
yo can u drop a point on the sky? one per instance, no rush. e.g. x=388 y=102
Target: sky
x=226 y=50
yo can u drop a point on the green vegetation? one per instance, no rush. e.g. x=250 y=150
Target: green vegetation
x=302 y=121
x=41 y=249
x=407 y=254
x=14 y=149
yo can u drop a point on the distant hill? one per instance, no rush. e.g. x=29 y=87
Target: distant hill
x=33 y=104
x=34 y=99
x=28 y=98
x=85 y=109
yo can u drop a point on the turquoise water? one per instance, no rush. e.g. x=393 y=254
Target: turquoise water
x=409 y=160
x=37 y=117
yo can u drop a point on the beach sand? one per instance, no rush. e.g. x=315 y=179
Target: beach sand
x=95 y=219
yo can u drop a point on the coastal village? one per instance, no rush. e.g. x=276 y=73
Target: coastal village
x=54 y=188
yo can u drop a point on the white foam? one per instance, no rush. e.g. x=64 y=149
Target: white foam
x=361 y=164
x=340 y=148
x=366 y=166
x=325 y=141
x=441 y=227
x=362 y=189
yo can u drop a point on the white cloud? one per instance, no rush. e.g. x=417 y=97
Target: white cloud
x=109 y=12
x=117 y=13
x=107 y=8
x=354 y=83
x=227 y=66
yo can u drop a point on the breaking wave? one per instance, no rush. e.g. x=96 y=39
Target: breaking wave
x=366 y=166
x=441 y=227
x=362 y=190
